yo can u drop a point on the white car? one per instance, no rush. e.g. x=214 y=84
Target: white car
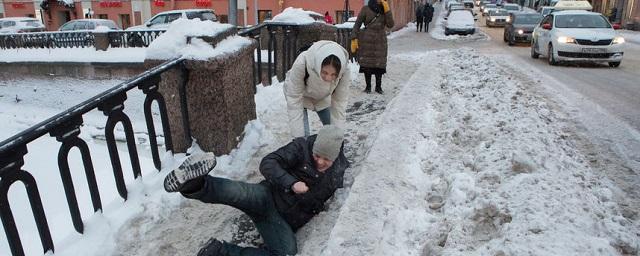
x=487 y=8
x=20 y=25
x=162 y=20
x=459 y=22
x=498 y=18
x=511 y=7
x=578 y=36
x=88 y=24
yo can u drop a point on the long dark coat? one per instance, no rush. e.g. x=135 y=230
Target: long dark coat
x=420 y=13
x=428 y=13
x=292 y=163
x=372 y=40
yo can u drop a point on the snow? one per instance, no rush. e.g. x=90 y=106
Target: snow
x=630 y=36
x=87 y=55
x=460 y=156
x=173 y=43
x=295 y=16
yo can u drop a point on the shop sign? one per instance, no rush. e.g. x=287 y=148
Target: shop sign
x=18 y=5
x=203 y=3
x=110 y=4
x=158 y=3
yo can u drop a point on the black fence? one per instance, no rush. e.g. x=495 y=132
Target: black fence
x=77 y=39
x=65 y=126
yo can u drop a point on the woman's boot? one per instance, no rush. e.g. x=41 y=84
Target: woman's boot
x=367 y=80
x=379 y=83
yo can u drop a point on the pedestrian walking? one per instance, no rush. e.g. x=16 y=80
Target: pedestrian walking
x=419 y=17
x=371 y=41
x=299 y=178
x=428 y=16
x=318 y=80
x=328 y=19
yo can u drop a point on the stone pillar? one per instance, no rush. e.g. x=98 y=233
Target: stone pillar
x=220 y=98
x=101 y=40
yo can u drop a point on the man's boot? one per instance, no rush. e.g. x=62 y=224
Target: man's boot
x=188 y=176
x=213 y=247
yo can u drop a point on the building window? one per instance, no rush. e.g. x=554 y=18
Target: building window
x=340 y=16
x=103 y=16
x=125 y=20
x=264 y=15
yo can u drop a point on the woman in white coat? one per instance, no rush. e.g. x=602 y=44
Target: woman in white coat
x=318 y=80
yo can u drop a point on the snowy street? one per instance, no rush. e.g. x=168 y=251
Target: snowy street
x=475 y=148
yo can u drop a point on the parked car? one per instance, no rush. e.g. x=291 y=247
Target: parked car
x=162 y=20
x=577 y=36
x=497 y=18
x=520 y=27
x=468 y=4
x=20 y=25
x=511 y=8
x=88 y=24
x=487 y=8
x=545 y=10
x=459 y=22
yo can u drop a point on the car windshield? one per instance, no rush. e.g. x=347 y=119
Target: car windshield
x=498 y=12
x=109 y=24
x=32 y=23
x=490 y=6
x=201 y=15
x=581 y=21
x=511 y=7
x=527 y=19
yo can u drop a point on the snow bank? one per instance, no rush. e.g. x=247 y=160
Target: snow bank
x=173 y=43
x=296 y=16
x=117 y=55
x=482 y=167
x=630 y=35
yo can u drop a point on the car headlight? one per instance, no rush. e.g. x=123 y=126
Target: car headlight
x=520 y=32
x=508 y=19
x=618 y=40
x=566 y=40
x=493 y=19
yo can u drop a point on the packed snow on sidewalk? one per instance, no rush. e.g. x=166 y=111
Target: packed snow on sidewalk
x=469 y=161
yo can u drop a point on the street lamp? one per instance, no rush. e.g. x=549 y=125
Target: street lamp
x=345 y=15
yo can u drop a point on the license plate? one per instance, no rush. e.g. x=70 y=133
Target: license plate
x=593 y=50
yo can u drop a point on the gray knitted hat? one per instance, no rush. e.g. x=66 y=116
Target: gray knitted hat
x=328 y=142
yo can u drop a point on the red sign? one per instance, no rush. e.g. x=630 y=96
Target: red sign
x=203 y=3
x=17 y=5
x=110 y=4
x=158 y=3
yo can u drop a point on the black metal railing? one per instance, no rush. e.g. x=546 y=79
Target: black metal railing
x=278 y=63
x=65 y=127
x=77 y=39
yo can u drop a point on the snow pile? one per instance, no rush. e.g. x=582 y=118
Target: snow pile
x=173 y=43
x=482 y=167
x=437 y=32
x=409 y=28
x=295 y=16
x=630 y=35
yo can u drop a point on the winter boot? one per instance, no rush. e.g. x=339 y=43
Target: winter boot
x=213 y=247
x=367 y=89
x=193 y=169
x=367 y=80
x=379 y=89
x=379 y=83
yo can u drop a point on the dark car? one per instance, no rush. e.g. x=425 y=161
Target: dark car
x=520 y=27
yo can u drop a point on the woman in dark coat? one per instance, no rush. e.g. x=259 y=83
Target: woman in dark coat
x=371 y=41
x=427 y=15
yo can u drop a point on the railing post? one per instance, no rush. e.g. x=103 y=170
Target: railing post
x=150 y=88
x=11 y=163
x=271 y=48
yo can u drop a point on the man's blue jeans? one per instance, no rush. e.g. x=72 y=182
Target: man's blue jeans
x=256 y=201
x=324 y=115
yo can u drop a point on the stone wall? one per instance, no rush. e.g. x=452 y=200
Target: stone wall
x=87 y=70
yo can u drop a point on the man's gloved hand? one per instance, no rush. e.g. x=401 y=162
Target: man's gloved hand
x=385 y=6
x=354 y=45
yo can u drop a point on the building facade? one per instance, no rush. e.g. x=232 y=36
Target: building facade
x=128 y=13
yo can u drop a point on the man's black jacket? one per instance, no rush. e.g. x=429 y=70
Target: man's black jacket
x=292 y=163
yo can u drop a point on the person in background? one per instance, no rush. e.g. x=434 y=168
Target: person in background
x=371 y=41
x=299 y=178
x=419 y=16
x=318 y=80
x=428 y=15
x=327 y=18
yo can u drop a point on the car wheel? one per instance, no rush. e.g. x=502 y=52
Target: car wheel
x=614 y=64
x=534 y=54
x=511 y=41
x=550 y=57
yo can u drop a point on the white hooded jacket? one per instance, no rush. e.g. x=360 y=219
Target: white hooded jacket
x=317 y=94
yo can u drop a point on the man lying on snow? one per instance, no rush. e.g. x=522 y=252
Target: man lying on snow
x=300 y=177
